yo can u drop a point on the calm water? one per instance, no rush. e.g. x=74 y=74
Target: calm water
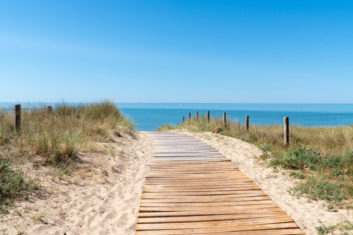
x=150 y=116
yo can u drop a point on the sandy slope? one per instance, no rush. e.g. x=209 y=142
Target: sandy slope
x=308 y=214
x=101 y=198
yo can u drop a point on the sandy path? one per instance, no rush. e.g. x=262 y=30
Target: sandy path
x=101 y=200
x=308 y=214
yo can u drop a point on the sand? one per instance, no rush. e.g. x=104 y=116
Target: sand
x=308 y=214
x=102 y=197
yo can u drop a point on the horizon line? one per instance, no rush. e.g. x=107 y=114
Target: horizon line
x=175 y=102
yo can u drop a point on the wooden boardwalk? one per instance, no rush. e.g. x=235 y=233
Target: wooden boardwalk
x=193 y=189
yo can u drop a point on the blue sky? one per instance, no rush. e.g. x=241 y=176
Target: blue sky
x=177 y=51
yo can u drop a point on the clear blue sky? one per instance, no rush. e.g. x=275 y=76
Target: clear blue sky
x=177 y=51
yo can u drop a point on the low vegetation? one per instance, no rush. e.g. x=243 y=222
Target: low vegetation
x=55 y=138
x=320 y=158
x=12 y=185
x=343 y=228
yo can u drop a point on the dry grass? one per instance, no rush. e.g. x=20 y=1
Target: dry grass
x=322 y=157
x=328 y=140
x=55 y=138
x=60 y=135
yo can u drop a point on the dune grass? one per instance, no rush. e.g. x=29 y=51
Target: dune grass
x=341 y=228
x=322 y=158
x=56 y=138
x=12 y=185
x=59 y=135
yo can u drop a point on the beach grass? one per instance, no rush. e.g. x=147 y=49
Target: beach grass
x=12 y=185
x=56 y=138
x=341 y=228
x=320 y=157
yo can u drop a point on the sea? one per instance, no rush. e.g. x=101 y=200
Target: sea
x=150 y=116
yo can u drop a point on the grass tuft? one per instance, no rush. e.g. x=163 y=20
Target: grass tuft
x=299 y=158
x=319 y=188
x=12 y=185
x=343 y=228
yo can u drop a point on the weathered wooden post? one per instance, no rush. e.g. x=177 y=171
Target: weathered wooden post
x=286 y=131
x=50 y=109
x=189 y=116
x=197 y=114
x=247 y=123
x=208 y=115
x=183 y=119
x=18 y=117
x=225 y=118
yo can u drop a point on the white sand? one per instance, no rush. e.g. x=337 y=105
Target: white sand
x=307 y=214
x=101 y=199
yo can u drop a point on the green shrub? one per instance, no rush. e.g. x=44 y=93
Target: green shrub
x=322 y=230
x=319 y=188
x=342 y=227
x=12 y=185
x=333 y=161
x=300 y=157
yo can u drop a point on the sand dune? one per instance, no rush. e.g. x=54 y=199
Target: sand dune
x=102 y=198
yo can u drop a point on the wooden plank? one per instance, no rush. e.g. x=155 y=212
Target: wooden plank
x=194 y=169
x=190 y=194
x=191 y=182
x=192 y=164
x=256 y=232
x=254 y=227
x=198 y=204
x=201 y=195
x=218 y=223
x=198 y=213
x=263 y=232
x=213 y=208
x=195 y=175
x=193 y=189
x=196 y=218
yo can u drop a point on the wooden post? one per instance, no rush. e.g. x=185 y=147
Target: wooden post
x=50 y=109
x=225 y=118
x=197 y=114
x=208 y=115
x=183 y=119
x=18 y=117
x=247 y=123
x=286 y=131
x=189 y=116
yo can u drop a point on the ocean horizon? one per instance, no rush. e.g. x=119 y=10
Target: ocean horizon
x=150 y=116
